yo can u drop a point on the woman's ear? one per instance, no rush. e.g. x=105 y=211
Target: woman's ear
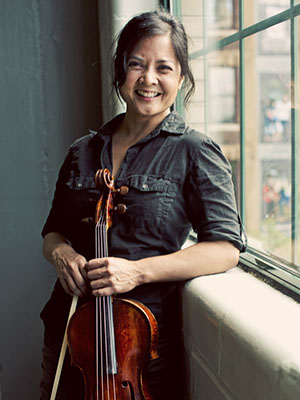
x=180 y=82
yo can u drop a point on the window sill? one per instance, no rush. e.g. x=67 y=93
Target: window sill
x=241 y=339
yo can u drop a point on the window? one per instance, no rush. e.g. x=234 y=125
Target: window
x=244 y=55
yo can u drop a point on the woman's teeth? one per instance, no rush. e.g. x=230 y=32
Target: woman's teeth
x=147 y=94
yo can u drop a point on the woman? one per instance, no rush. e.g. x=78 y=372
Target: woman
x=177 y=179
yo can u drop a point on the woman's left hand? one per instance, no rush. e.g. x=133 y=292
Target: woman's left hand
x=112 y=275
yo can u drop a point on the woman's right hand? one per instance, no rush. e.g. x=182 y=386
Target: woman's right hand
x=69 y=265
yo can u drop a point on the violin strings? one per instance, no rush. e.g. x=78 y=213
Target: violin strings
x=99 y=323
x=97 y=316
x=104 y=320
x=104 y=313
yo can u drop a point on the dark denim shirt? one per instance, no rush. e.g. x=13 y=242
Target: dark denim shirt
x=178 y=179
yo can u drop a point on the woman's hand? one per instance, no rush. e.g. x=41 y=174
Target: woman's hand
x=112 y=275
x=70 y=268
x=69 y=265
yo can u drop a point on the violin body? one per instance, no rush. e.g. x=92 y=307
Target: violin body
x=111 y=339
x=136 y=341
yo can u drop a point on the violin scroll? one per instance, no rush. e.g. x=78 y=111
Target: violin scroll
x=104 y=180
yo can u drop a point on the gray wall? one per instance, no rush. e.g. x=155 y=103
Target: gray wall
x=50 y=95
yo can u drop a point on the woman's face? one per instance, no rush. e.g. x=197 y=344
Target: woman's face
x=153 y=78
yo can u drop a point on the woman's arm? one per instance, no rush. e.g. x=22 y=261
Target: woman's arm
x=69 y=265
x=116 y=275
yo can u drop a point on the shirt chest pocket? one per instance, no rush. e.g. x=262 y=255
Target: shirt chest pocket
x=148 y=202
x=81 y=198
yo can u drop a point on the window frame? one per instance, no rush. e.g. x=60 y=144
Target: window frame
x=267 y=265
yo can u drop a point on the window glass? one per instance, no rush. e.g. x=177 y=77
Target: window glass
x=268 y=141
x=296 y=109
x=214 y=108
x=258 y=10
x=222 y=104
x=221 y=18
x=195 y=112
x=268 y=123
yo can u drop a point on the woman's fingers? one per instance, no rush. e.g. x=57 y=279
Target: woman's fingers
x=70 y=267
x=111 y=275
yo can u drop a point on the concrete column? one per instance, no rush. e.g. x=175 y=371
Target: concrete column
x=113 y=15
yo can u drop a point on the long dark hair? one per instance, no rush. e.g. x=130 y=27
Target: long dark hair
x=150 y=24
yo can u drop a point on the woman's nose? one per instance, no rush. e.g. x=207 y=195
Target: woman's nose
x=149 y=77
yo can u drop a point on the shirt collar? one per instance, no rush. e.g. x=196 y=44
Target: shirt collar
x=172 y=124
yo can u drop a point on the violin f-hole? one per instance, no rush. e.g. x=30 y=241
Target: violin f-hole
x=125 y=385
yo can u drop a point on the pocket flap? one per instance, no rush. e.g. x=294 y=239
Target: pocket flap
x=146 y=183
x=81 y=182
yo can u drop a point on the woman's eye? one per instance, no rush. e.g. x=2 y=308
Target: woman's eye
x=164 y=68
x=134 y=64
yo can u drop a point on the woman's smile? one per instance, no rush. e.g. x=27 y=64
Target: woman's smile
x=147 y=94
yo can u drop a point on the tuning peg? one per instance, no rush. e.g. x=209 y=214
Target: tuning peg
x=123 y=190
x=120 y=208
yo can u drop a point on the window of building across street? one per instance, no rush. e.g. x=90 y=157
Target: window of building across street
x=244 y=55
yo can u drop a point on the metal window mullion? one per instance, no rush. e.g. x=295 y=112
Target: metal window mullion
x=175 y=9
x=249 y=31
x=166 y=4
x=242 y=113
x=294 y=137
x=205 y=69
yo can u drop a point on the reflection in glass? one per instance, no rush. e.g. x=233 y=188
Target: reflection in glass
x=258 y=10
x=268 y=142
x=220 y=14
x=276 y=108
x=221 y=18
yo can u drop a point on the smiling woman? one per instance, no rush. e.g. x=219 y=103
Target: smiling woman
x=153 y=78
x=168 y=168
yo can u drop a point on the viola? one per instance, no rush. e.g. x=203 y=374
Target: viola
x=110 y=338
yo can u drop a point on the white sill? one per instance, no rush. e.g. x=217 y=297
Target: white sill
x=242 y=339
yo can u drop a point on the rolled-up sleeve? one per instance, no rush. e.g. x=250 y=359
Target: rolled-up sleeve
x=210 y=197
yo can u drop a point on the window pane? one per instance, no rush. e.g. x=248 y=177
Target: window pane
x=215 y=107
x=296 y=108
x=222 y=104
x=221 y=18
x=195 y=112
x=258 y=10
x=192 y=19
x=268 y=141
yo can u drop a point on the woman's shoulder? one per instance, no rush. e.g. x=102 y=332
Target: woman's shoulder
x=85 y=140
x=187 y=135
x=197 y=143
x=103 y=133
x=196 y=147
